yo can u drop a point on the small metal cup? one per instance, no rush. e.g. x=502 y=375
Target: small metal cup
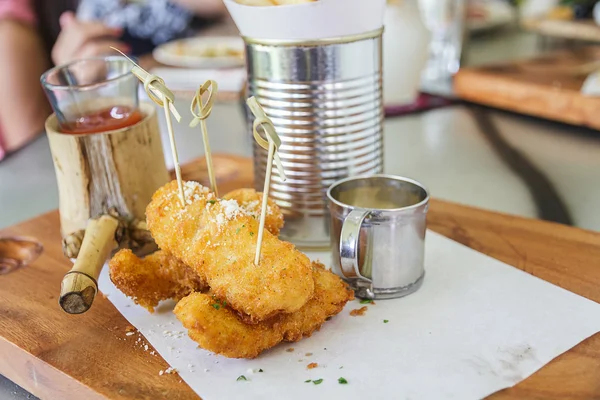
x=378 y=225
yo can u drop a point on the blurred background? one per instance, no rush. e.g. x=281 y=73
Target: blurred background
x=490 y=103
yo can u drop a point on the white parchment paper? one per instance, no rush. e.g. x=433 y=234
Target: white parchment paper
x=317 y=20
x=476 y=326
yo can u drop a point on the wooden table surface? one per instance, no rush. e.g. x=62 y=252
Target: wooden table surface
x=547 y=86
x=58 y=356
x=583 y=29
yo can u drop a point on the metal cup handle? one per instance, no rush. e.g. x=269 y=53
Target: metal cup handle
x=349 y=243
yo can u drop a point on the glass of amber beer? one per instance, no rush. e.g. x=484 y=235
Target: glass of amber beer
x=93 y=95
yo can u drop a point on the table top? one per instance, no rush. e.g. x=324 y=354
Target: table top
x=55 y=355
x=586 y=29
x=443 y=148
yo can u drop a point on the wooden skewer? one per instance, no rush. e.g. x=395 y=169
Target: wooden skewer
x=156 y=88
x=271 y=144
x=174 y=151
x=160 y=94
x=204 y=110
x=80 y=284
x=269 y=129
x=263 y=210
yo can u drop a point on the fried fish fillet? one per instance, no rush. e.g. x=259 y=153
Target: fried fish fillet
x=219 y=329
x=217 y=238
x=158 y=276
x=161 y=276
x=251 y=200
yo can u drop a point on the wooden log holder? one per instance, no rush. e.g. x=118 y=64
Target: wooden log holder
x=107 y=178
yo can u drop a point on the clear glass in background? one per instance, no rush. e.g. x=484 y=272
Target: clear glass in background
x=446 y=19
x=93 y=95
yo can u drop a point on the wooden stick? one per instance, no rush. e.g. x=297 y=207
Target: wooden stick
x=204 y=110
x=272 y=144
x=267 y=124
x=156 y=88
x=80 y=284
x=160 y=94
x=209 y=164
x=263 y=210
x=174 y=151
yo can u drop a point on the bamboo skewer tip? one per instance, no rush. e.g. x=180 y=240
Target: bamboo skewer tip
x=155 y=86
x=159 y=93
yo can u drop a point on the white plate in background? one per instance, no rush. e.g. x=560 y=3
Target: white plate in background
x=496 y=14
x=202 y=52
x=231 y=80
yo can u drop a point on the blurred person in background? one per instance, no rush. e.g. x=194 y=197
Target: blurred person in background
x=37 y=34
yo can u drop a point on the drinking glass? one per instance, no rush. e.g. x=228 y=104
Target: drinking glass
x=93 y=95
x=446 y=21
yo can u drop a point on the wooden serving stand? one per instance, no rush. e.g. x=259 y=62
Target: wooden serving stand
x=59 y=356
x=105 y=180
x=546 y=87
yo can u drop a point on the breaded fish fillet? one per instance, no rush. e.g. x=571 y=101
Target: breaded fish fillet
x=218 y=329
x=217 y=238
x=251 y=200
x=159 y=276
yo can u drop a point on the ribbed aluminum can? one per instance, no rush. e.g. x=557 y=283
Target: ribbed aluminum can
x=325 y=100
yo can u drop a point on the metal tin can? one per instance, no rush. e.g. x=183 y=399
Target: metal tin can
x=325 y=100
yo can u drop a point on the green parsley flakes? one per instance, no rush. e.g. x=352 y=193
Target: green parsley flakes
x=318 y=381
x=342 y=381
x=251 y=233
x=216 y=306
x=212 y=201
x=241 y=378
x=385 y=321
x=307 y=381
x=260 y=370
x=237 y=231
x=366 y=301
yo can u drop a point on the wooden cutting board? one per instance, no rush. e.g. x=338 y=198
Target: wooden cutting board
x=546 y=87
x=582 y=29
x=59 y=356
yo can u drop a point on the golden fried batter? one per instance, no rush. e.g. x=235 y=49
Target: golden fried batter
x=217 y=238
x=218 y=329
x=159 y=276
x=251 y=201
